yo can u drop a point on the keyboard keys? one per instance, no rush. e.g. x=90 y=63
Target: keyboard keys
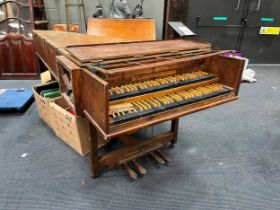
x=131 y=90
x=131 y=111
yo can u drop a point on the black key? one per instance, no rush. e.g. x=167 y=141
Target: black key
x=118 y=96
x=198 y=79
x=125 y=118
x=169 y=106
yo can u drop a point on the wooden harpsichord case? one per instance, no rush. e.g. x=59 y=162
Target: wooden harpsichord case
x=122 y=88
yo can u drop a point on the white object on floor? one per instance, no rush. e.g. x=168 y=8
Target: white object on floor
x=24 y=155
x=248 y=75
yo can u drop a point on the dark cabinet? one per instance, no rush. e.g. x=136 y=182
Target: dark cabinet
x=40 y=19
x=235 y=24
x=17 y=58
x=262 y=48
x=211 y=21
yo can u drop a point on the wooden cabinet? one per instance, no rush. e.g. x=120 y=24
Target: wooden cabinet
x=17 y=60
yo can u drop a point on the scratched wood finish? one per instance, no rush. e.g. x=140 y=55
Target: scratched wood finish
x=49 y=44
x=17 y=60
x=156 y=68
x=220 y=66
x=127 y=29
x=62 y=39
x=111 y=51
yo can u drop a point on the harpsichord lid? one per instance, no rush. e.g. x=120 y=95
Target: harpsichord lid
x=89 y=53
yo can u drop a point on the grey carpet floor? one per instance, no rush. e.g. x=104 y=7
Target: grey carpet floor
x=227 y=157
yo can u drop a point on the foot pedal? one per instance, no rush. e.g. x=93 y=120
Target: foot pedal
x=140 y=168
x=131 y=172
x=166 y=158
x=157 y=158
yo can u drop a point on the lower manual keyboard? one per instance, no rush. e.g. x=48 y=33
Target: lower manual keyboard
x=150 y=106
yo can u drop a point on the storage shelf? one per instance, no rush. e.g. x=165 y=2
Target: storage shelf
x=40 y=15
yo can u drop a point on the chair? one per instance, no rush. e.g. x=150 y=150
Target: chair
x=17 y=60
x=126 y=29
x=63 y=27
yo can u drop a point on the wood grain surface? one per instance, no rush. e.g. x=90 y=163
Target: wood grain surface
x=17 y=58
x=128 y=29
x=109 y=51
x=61 y=39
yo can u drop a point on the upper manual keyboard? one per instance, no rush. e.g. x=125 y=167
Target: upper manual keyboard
x=135 y=89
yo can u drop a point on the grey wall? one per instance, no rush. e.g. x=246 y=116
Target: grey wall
x=55 y=11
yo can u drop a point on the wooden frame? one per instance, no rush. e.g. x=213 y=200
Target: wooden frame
x=133 y=150
x=17 y=58
x=18 y=18
x=87 y=90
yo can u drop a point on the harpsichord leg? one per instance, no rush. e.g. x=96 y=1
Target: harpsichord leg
x=94 y=151
x=174 y=129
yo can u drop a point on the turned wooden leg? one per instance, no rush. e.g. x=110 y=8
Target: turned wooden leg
x=174 y=129
x=94 y=151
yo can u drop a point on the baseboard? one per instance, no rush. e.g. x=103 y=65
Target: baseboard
x=264 y=65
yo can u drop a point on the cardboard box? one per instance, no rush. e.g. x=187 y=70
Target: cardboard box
x=46 y=77
x=73 y=130
x=43 y=104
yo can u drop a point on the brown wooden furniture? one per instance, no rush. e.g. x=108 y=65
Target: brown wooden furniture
x=17 y=56
x=127 y=29
x=122 y=88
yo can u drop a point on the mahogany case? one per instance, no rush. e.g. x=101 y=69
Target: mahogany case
x=86 y=73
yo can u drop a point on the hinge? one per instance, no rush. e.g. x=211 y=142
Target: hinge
x=96 y=62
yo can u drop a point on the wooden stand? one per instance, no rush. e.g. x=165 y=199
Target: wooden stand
x=134 y=149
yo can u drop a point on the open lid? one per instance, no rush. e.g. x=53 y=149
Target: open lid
x=100 y=52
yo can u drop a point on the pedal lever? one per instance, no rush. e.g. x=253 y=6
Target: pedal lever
x=131 y=172
x=157 y=158
x=166 y=158
x=140 y=168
